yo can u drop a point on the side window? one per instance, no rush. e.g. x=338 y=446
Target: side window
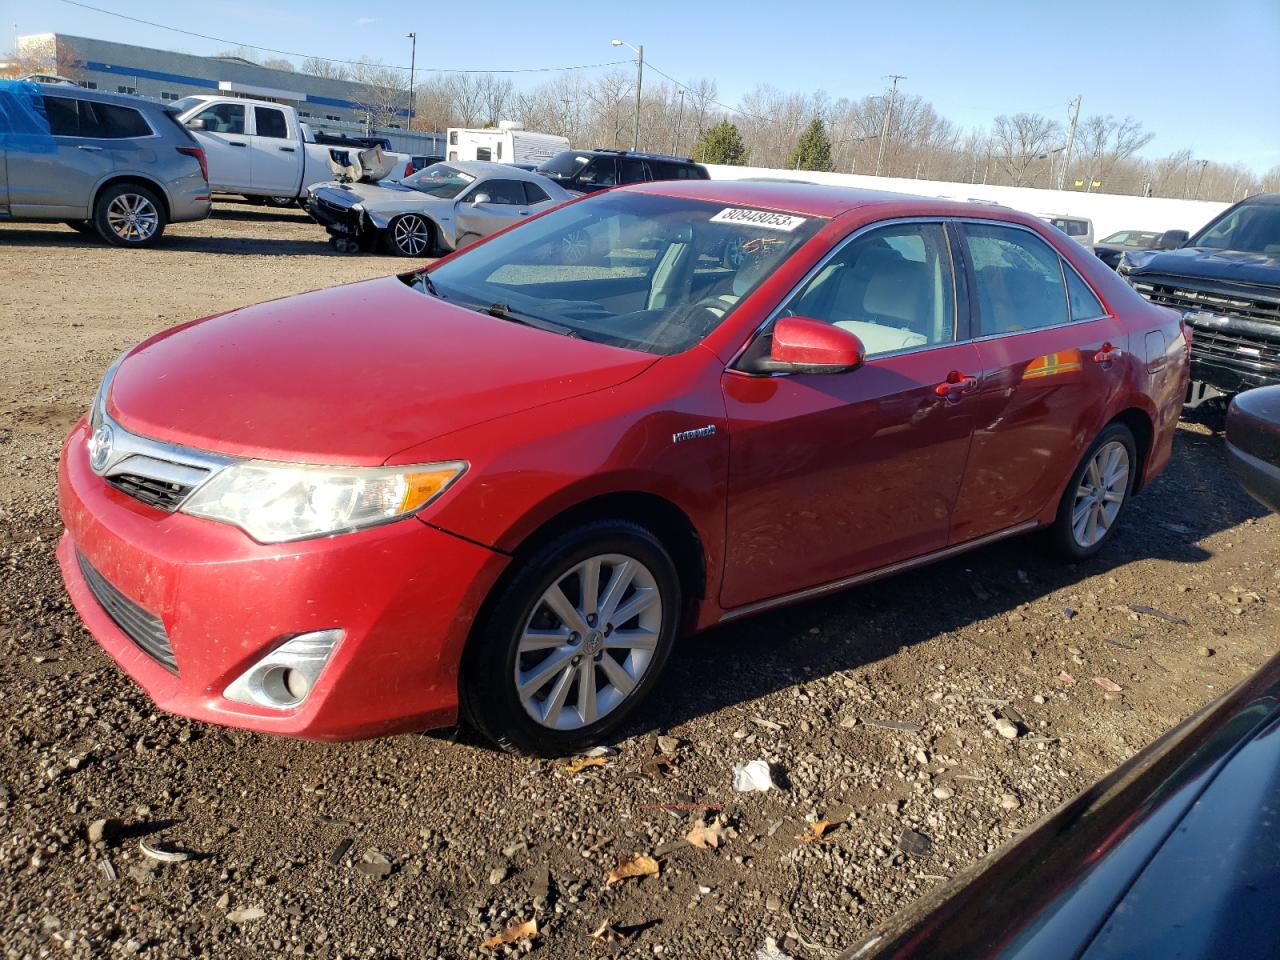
x=498 y=148
x=1084 y=303
x=270 y=123
x=484 y=153
x=116 y=122
x=664 y=171
x=222 y=118
x=601 y=172
x=1018 y=279
x=893 y=287
x=534 y=193
x=632 y=170
x=64 y=120
x=502 y=191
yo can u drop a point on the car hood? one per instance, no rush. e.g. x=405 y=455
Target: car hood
x=1202 y=264
x=385 y=195
x=349 y=375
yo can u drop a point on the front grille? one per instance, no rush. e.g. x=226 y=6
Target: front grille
x=1240 y=351
x=146 y=631
x=152 y=492
x=1170 y=292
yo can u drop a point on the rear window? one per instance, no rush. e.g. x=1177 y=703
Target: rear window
x=115 y=122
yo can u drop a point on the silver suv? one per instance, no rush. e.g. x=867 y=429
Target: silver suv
x=120 y=166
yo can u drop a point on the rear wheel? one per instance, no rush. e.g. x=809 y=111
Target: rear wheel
x=128 y=215
x=282 y=202
x=576 y=640
x=1097 y=494
x=409 y=235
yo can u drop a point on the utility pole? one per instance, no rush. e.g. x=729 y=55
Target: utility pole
x=679 y=123
x=888 y=116
x=1071 y=139
x=1200 y=179
x=635 y=144
x=413 y=58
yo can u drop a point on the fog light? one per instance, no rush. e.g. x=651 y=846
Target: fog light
x=285 y=677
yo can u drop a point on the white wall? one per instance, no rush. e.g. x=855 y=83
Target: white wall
x=1109 y=213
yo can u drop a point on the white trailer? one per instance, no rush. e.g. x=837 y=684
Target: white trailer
x=509 y=142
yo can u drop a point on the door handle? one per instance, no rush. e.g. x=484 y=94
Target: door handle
x=287 y=149
x=237 y=143
x=1107 y=354
x=524 y=213
x=956 y=386
x=89 y=149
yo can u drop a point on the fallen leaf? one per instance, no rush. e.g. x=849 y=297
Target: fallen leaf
x=638 y=866
x=515 y=931
x=583 y=763
x=818 y=830
x=605 y=933
x=706 y=836
x=1108 y=685
x=1066 y=677
x=659 y=768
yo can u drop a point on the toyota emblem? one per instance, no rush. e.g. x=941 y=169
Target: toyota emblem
x=100 y=448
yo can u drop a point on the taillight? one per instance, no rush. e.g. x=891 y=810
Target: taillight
x=408 y=169
x=198 y=153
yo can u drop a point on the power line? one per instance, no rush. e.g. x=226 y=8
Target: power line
x=308 y=56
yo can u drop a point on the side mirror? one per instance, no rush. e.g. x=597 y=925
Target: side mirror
x=804 y=345
x=1172 y=239
x=195 y=123
x=477 y=198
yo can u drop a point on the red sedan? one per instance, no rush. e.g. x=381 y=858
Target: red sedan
x=504 y=487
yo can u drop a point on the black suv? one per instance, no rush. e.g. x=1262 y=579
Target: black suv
x=584 y=171
x=1226 y=282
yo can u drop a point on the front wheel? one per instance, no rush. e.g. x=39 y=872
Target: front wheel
x=128 y=215
x=409 y=236
x=576 y=640
x=1097 y=494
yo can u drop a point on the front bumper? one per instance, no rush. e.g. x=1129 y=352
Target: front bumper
x=338 y=220
x=405 y=594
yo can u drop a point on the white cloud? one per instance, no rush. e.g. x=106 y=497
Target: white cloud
x=365 y=21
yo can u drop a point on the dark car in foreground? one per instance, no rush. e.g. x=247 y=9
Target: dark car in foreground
x=1253 y=442
x=1111 y=248
x=504 y=485
x=1175 y=854
x=1226 y=282
x=118 y=166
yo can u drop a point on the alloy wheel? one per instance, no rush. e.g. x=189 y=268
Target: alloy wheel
x=132 y=217
x=1101 y=493
x=589 y=641
x=411 y=235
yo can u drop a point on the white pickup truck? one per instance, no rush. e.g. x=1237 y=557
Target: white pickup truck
x=257 y=148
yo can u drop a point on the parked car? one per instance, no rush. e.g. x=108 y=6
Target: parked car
x=1172 y=855
x=1110 y=249
x=586 y=171
x=509 y=142
x=1079 y=229
x=440 y=208
x=1253 y=442
x=505 y=484
x=419 y=162
x=259 y=148
x=118 y=166
x=1226 y=282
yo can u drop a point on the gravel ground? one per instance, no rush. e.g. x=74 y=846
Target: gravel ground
x=426 y=845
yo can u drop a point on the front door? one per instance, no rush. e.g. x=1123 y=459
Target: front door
x=1052 y=364
x=833 y=475
x=226 y=141
x=503 y=202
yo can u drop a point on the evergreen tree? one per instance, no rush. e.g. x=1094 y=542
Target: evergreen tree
x=721 y=144
x=813 y=152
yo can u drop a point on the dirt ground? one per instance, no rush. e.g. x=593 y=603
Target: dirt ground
x=424 y=846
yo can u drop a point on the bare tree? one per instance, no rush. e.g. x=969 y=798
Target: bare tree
x=279 y=63
x=44 y=55
x=1021 y=140
x=1105 y=141
x=383 y=94
x=319 y=67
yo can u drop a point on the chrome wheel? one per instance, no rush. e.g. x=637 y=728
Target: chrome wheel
x=411 y=235
x=133 y=217
x=575 y=246
x=589 y=641
x=1101 y=493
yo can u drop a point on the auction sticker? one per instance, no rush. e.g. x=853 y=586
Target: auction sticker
x=758 y=218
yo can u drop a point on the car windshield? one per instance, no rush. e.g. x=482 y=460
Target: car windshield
x=563 y=166
x=185 y=104
x=439 y=180
x=1249 y=228
x=642 y=271
x=1133 y=238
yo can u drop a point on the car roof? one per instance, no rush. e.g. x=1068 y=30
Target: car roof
x=485 y=168
x=822 y=200
x=99 y=96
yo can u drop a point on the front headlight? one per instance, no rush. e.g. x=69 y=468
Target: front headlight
x=278 y=502
x=100 y=396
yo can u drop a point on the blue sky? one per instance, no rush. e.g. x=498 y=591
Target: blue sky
x=1200 y=75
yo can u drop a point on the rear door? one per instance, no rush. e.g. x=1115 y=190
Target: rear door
x=225 y=138
x=1053 y=363
x=124 y=131
x=275 y=159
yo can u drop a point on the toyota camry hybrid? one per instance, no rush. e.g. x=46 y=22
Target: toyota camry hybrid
x=501 y=488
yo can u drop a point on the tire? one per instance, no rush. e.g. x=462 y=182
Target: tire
x=283 y=202
x=551 y=716
x=410 y=235
x=128 y=215
x=82 y=226
x=1108 y=469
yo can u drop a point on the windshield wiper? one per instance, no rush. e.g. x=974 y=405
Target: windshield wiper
x=503 y=312
x=429 y=285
